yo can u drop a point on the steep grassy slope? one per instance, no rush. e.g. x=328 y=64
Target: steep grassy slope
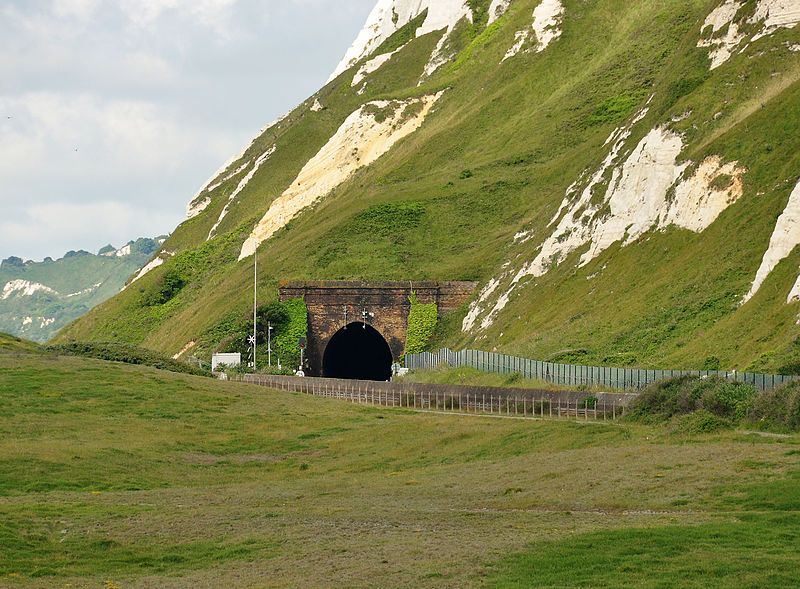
x=494 y=160
x=10 y=343
x=124 y=476
x=39 y=298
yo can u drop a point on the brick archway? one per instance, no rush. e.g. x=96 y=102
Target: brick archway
x=333 y=305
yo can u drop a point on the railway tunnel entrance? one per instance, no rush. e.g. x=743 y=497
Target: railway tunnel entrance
x=358 y=351
x=356 y=328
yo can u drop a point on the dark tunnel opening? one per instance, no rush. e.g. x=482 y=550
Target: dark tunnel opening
x=358 y=352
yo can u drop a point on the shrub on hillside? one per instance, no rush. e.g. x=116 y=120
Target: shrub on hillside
x=166 y=289
x=117 y=352
x=662 y=401
x=700 y=422
x=778 y=409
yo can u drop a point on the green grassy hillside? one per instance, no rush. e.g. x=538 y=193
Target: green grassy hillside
x=495 y=158
x=10 y=343
x=114 y=475
x=39 y=298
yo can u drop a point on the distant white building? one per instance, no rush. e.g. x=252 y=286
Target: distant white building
x=226 y=359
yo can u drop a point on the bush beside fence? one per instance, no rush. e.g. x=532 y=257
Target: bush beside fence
x=577 y=375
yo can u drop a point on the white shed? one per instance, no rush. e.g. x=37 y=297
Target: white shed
x=226 y=359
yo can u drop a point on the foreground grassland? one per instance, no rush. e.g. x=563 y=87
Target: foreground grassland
x=124 y=476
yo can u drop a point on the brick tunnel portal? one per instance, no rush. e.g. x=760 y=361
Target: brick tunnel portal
x=357 y=329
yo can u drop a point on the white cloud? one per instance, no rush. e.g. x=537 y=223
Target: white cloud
x=69 y=226
x=153 y=94
x=81 y=10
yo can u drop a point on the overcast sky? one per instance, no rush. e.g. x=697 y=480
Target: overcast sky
x=113 y=113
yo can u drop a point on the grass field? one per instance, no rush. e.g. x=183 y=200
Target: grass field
x=124 y=476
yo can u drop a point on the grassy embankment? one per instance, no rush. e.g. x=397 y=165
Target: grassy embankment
x=114 y=475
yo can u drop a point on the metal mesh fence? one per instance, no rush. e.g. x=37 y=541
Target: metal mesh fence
x=576 y=375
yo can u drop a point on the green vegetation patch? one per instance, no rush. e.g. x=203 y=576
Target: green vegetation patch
x=664 y=400
x=289 y=322
x=755 y=551
x=616 y=108
x=125 y=353
x=778 y=409
x=36 y=551
x=32 y=475
x=11 y=343
x=166 y=288
x=422 y=319
x=403 y=35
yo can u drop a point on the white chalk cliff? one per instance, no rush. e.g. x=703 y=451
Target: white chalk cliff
x=726 y=36
x=361 y=140
x=785 y=238
x=389 y=16
x=637 y=200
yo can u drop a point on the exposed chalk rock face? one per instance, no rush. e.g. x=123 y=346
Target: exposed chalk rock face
x=794 y=295
x=389 y=16
x=372 y=66
x=25 y=288
x=724 y=35
x=546 y=28
x=440 y=55
x=185 y=349
x=123 y=251
x=360 y=141
x=85 y=291
x=632 y=205
x=262 y=159
x=317 y=106
x=785 y=238
x=150 y=266
x=648 y=191
x=197 y=206
x=202 y=199
x=699 y=200
x=475 y=308
x=497 y=9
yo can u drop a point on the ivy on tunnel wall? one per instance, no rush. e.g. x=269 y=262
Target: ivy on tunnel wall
x=293 y=325
x=422 y=321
